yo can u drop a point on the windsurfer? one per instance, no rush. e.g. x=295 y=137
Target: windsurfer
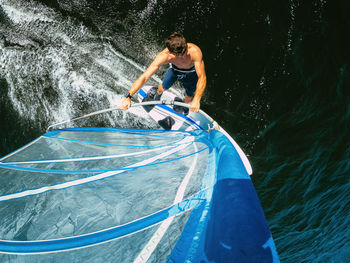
x=186 y=65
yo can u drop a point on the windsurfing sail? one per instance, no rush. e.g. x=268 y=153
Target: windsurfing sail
x=131 y=195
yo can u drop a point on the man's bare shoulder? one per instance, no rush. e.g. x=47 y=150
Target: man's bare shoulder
x=163 y=57
x=194 y=51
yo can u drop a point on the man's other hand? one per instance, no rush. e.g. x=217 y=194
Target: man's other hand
x=194 y=106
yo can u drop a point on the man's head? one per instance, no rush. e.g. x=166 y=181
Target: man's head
x=176 y=44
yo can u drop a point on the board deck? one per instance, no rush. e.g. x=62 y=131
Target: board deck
x=171 y=117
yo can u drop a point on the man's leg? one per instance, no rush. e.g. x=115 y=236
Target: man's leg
x=188 y=99
x=160 y=88
x=190 y=84
x=168 y=81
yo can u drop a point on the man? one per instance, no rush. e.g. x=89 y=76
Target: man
x=186 y=66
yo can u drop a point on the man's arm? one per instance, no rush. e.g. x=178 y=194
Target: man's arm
x=202 y=80
x=160 y=59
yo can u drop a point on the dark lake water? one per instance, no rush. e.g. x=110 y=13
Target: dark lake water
x=278 y=81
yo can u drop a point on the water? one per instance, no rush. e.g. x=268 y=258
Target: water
x=278 y=82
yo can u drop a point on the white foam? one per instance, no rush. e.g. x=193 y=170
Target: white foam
x=18 y=16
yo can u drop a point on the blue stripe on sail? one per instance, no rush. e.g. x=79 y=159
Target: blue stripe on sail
x=142 y=132
x=120 y=130
x=77 y=242
x=19 y=168
x=109 y=144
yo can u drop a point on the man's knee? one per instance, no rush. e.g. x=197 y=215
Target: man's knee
x=160 y=89
x=190 y=90
x=188 y=99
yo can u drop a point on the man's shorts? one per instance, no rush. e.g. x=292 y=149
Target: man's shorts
x=188 y=78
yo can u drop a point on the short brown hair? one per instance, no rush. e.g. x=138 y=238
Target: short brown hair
x=176 y=44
